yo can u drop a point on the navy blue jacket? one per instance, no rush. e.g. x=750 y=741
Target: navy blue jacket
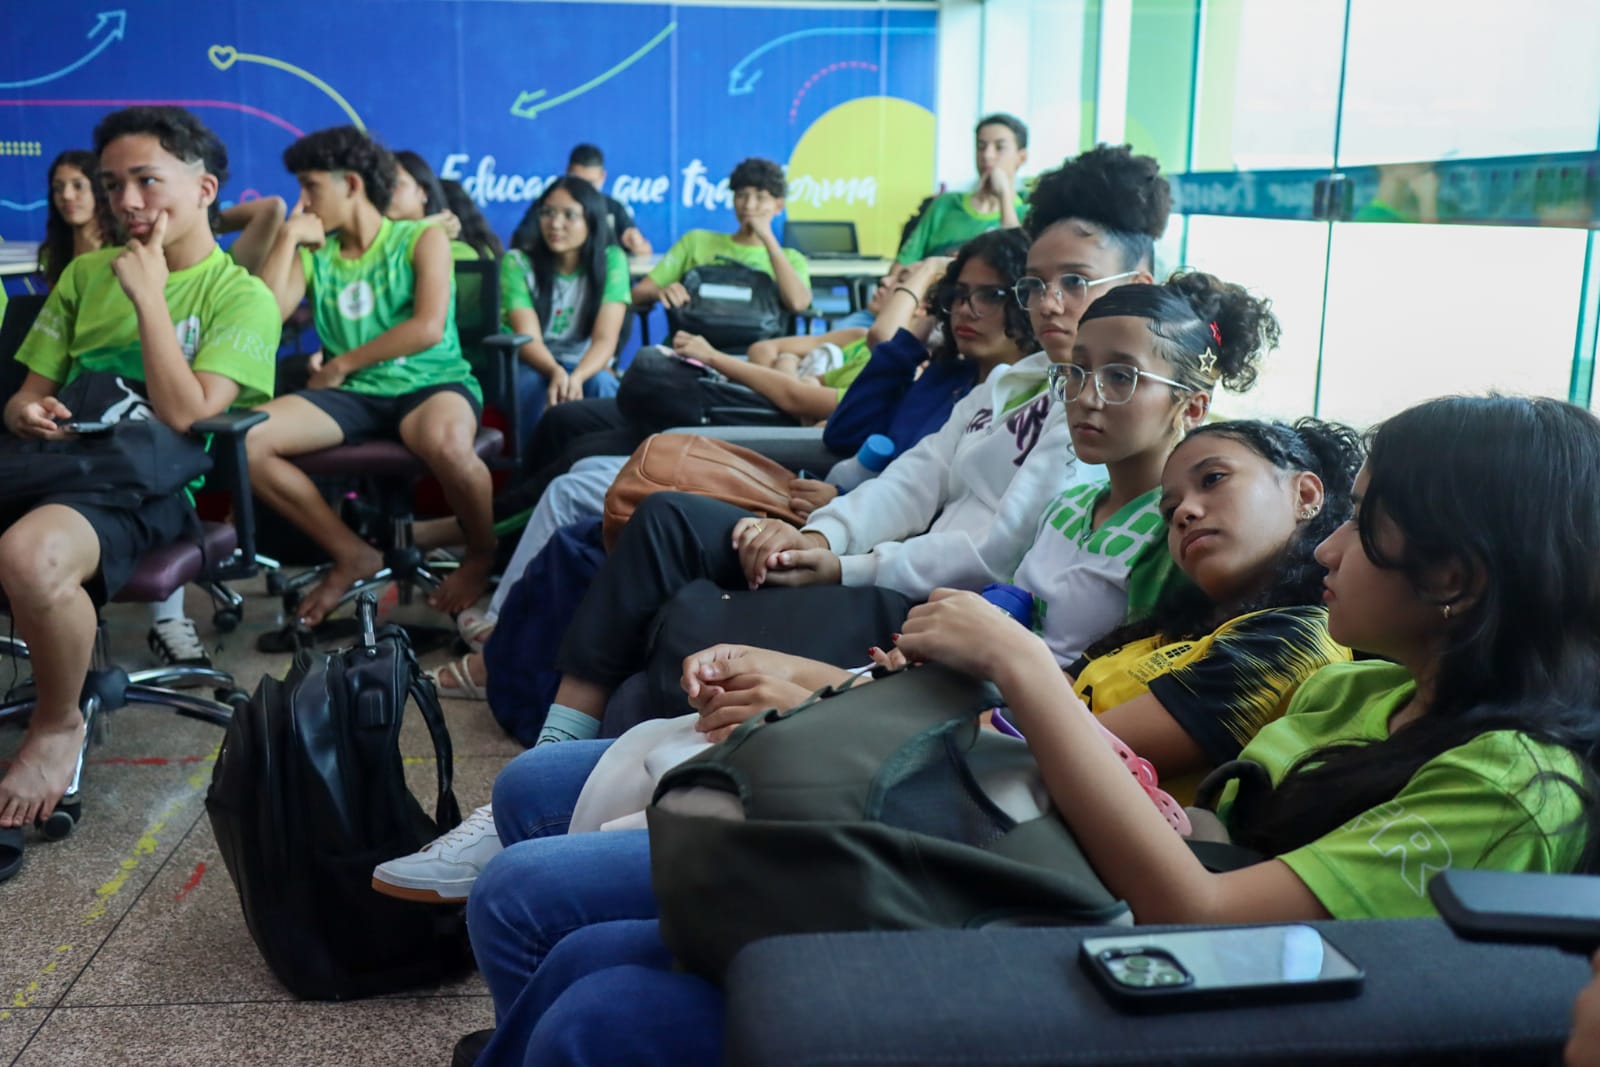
x=885 y=399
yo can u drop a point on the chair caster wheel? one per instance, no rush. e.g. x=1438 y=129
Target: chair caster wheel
x=234 y=698
x=226 y=620
x=62 y=821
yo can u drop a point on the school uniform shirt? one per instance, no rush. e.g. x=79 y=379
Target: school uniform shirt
x=700 y=247
x=561 y=334
x=1223 y=688
x=856 y=356
x=356 y=300
x=226 y=322
x=973 y=491
x=1085 y=581
x=949 y=223
x=1474 y=806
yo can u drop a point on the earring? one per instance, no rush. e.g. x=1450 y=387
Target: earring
x=1309 y=512
x=1444 y=609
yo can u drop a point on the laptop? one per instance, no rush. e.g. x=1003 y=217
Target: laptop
x=822 y=240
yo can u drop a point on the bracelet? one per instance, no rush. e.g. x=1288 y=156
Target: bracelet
x=906 y=289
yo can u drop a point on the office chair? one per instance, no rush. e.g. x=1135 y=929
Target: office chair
x=222 y=552
x=394 y=471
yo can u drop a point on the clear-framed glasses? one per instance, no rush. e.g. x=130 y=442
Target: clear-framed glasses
x=1115 y=382
x=979 y=299
x=1068 y=287
x=550 y=214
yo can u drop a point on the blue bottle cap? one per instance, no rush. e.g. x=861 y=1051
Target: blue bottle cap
x=876 y=452
x=1013 y=600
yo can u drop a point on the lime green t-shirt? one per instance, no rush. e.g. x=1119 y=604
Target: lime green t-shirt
x=948 y=224
x=1474 y=806
x=357 y=300
x=857 y=354
x=562 y=335
x=699 y=247
x=460 y=250
x=226 y=321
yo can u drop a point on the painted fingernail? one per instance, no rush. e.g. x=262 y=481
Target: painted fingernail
x=894 y=637
x=874 y=651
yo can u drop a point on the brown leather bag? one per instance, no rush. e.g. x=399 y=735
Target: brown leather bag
x=689 y=463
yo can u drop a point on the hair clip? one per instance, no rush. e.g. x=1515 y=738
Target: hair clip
x=1216 y=334
x=1208 y=364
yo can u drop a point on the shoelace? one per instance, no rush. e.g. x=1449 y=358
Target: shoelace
x=179 y=638
x=472 y=826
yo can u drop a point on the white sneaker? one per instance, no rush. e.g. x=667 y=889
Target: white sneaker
x=177 y=643
x=443 y=872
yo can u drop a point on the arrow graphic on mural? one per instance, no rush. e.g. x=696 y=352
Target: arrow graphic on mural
x=528 y=105
x=118 y=23
x=742 y=81
x=223 y=56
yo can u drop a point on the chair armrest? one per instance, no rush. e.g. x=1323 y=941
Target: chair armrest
x=231 y=467
x=796 y=447
x=1020 y=997
x=505 y=346
x=507 y=340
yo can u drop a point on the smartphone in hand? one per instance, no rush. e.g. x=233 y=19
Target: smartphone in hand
x=85 y=429
x=1241 y=965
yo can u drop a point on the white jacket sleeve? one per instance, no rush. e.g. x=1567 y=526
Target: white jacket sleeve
x=904 y=500
x=965 y=559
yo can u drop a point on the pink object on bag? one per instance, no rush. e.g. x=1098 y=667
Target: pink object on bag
x=1140 y=767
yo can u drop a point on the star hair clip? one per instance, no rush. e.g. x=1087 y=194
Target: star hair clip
x=1208 y=364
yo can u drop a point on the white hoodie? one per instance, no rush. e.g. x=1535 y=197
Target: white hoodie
x=977 y=486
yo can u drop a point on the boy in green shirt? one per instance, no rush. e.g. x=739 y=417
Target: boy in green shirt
x=758 y=188
x=189 y=333
x=956 y=218
x=383 y=295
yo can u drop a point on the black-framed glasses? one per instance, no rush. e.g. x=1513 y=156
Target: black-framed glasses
x=980 y=299
x=1114 y=383
x=1067 y=288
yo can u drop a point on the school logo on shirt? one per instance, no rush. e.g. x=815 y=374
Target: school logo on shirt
x=1408 y=840
x=189 y=336
x=356 y=300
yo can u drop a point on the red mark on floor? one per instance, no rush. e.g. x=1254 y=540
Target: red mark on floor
x=138 y=761
x=194 y=880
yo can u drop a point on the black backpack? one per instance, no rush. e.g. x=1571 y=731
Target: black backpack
x=730 y=305
x=660 y=391
x=868 y=807
x=309 y=794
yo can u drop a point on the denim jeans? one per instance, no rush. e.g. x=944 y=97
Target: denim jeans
x=547 y=884
x=608 y=996
x=533 y=390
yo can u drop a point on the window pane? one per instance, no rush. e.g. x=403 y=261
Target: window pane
x=1436 y=79
x=1282 y=261
x=1408 y=319
x=1033 y=67
x=1268 y=91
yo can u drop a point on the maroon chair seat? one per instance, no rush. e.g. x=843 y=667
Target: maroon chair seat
x=170 y=567
x=388 y=460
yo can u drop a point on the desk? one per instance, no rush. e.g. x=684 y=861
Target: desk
x=856 y=273
x=18 y=258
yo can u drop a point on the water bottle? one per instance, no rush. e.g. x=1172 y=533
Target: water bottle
x=1013 y=600
x=868 y=462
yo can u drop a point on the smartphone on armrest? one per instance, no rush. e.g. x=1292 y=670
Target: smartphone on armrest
x=1235 y=966
x=1562 y=910
x=84 y=429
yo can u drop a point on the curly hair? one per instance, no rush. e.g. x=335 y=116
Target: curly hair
x=759 y=173
x=179 y=131
x=55 y=252
x=1007 y=252
x=1112 y=190
x=350 y=149
x=1196 y=315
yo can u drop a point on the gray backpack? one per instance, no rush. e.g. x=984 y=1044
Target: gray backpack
x=868 y=807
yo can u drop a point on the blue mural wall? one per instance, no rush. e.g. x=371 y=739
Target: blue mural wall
x=495 y=92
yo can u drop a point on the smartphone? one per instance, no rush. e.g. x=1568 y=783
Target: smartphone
x=1240 y=965
x=83 y=429
x=1548 y=909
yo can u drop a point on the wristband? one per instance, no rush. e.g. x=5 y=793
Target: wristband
x=906 y=289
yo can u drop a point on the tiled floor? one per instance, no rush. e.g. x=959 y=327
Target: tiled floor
x=124 y=944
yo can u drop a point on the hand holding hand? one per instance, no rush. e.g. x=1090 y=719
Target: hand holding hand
x=557 y=391
x=805 y=566
x=758 y=541
x=572 y=388
x=808 y=494
x=717 y=664
x=141 y=268
x=724 y=707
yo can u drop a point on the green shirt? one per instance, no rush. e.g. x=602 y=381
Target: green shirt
x=561 y=334
x=226 y=322
x=357 y=300
x=1474 y=806
x=857 y=354
x=948 y=224
x=699 y=247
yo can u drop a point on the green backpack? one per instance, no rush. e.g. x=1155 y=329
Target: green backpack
x=868 y=807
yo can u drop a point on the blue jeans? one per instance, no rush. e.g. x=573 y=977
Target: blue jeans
x=533 y=388
x=608 y=996
x=546 y=884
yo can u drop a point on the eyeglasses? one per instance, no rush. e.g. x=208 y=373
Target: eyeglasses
x=1068 y=287
x=979 y=301
x=550 y=214
x=1115 y=382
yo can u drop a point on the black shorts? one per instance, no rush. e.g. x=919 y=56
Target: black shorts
x=125 y=536
x=365 y=417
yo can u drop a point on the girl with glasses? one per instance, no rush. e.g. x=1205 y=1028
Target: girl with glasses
x=565 y=285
